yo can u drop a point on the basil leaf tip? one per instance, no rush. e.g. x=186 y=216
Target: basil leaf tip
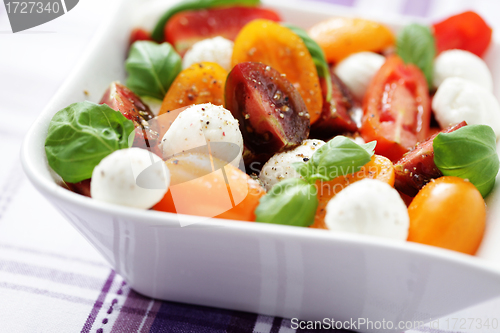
x=158 y=33
x=469 y=153
x=292 y=202
x=152 y=68
x=81 y=135
x=416 y=45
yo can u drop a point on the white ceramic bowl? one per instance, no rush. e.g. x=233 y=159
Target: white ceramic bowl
x=269 y=269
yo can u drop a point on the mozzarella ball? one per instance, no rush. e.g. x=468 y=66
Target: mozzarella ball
x=279 y=167
x=464 y=64
x=459 y=99
x=357 y=71
x=217 y=49
x=200 y=124
x=369 y=207
x=118 y=178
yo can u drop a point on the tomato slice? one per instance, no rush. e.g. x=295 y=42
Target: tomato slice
x=466 y=31
x=397 y=110
x=186 y=28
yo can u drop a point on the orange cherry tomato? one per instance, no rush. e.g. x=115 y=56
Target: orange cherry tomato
x=203 y=185
x=448 y=212
x=379 y=168
x=200 y=83
x=340 y=37
x=274 y=45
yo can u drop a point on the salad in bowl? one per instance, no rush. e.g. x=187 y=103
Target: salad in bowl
x=249 y=164
x=346 y=126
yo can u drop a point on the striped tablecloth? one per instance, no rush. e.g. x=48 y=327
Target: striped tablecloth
x=51 y=279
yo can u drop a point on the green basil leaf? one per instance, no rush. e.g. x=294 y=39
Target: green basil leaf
x=158 y=33
x=318 y=56
x=416 y=45
x=81 y=135
x=469 y=153
x=338 y=157
x=292 y=202
x=302 y=168
x=152 y=68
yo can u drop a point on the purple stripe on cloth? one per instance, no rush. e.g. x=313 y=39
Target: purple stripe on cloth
x=417 y=8
x=177 y=317
x=132 y=322
x=240 y=321
x=349 y=3
x=150 y=317
x=46 y=293
x=67 y=278
x=98 y=303
x=276 y=325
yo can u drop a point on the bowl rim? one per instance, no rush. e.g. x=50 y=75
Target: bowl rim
x=159 y=219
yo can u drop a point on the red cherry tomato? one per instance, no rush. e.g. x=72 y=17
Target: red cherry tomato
x=138 y=34
x=396 y=109
x=466 y=31
x=186 y=28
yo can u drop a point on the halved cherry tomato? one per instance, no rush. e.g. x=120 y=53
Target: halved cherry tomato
x=379 y=168
x=199 y=83
x=270 y=111
x=203 y=185
x=274 y=45
x=397 y=110
x=340 y=37
x=448 y=212
x=466 y=31
x=188 y=27
x=417 y=168
x=120 y=98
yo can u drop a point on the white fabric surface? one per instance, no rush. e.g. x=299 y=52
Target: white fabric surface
x=49 y=275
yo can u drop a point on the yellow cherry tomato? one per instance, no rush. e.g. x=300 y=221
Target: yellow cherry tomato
x=340 y=37
x=449 y=213
x=199 y=83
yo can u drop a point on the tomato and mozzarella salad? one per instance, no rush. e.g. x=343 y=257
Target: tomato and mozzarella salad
x=346 y=126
